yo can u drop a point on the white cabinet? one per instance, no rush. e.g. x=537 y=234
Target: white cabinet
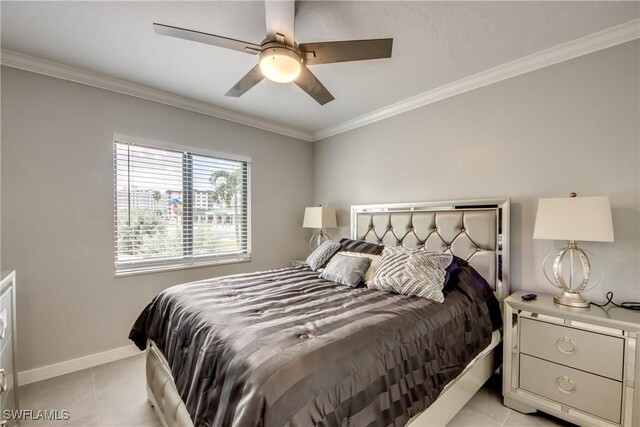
x=8 y=376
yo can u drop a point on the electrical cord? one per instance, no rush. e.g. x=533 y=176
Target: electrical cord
x=629 y=305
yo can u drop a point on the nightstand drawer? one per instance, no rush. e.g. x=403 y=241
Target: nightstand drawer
x=584 y=350
x=586 y=392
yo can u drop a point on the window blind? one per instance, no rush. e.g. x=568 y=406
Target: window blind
x=176 y=208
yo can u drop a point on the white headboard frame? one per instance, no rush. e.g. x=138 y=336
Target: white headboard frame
x=475 y=230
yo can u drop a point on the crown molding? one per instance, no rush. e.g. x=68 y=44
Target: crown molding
x=582 y=46
x=77 y=75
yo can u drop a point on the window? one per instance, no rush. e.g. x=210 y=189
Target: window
x=175 y=208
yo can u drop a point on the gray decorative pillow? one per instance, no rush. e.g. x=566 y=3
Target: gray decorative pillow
x=412 y=272
x=375 y=261
x=321 y=255
x=346 y=270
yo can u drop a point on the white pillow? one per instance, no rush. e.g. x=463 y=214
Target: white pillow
x=375 y=262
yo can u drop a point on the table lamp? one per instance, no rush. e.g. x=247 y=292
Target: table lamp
x=319 y=217
x=573 y=218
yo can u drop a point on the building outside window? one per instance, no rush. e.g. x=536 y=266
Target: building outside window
x=177 y=208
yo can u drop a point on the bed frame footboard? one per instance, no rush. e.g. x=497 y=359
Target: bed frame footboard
x=161 y=391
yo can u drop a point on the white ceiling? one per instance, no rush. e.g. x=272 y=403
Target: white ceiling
x=435 y=43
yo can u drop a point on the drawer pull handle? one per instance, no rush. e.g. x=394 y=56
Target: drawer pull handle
x=3 y=381
x=565 y=380
x=566 y=346
x=2 y=329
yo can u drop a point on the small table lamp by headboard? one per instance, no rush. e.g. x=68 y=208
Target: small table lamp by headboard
x=573 y=218
x=319 y=217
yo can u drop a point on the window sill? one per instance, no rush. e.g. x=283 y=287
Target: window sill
x=181 y=265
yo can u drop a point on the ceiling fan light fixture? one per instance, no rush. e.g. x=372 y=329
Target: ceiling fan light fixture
x=280 y=64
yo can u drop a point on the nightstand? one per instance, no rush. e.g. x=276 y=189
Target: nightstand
x=297 y=262
x=580 y=365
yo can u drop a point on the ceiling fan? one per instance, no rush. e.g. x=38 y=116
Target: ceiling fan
x=281 y=59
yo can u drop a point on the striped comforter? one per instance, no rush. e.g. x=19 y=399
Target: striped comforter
x=285 y=348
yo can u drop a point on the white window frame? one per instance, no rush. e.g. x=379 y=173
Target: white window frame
x=179 y=263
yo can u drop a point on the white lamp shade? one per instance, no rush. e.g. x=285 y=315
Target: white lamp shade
x=574 y=218
x=320 y=217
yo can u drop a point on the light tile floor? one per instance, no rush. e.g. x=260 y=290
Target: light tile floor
x=115 y=395
x=486 y=409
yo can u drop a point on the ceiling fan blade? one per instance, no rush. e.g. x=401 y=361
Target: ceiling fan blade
x=212 y=39
x=309 y=83
x=344 y=51
x=252 y=78
x=280 y=16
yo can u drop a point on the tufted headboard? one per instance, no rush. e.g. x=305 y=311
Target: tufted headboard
x=474 y=230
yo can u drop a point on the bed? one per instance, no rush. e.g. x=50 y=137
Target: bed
x=285 y=347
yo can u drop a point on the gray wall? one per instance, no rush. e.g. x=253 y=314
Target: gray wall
x=573 y=126
x=570 y=127
x=57 y=208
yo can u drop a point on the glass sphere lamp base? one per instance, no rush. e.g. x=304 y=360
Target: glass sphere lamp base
x=570 y=272
x=317 y=239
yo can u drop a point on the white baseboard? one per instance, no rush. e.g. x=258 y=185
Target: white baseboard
x=68 y=366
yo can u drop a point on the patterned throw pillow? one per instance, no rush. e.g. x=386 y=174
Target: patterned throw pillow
x=412 y=272
x=375 y=262
x=322 y=254
x=346 y=270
